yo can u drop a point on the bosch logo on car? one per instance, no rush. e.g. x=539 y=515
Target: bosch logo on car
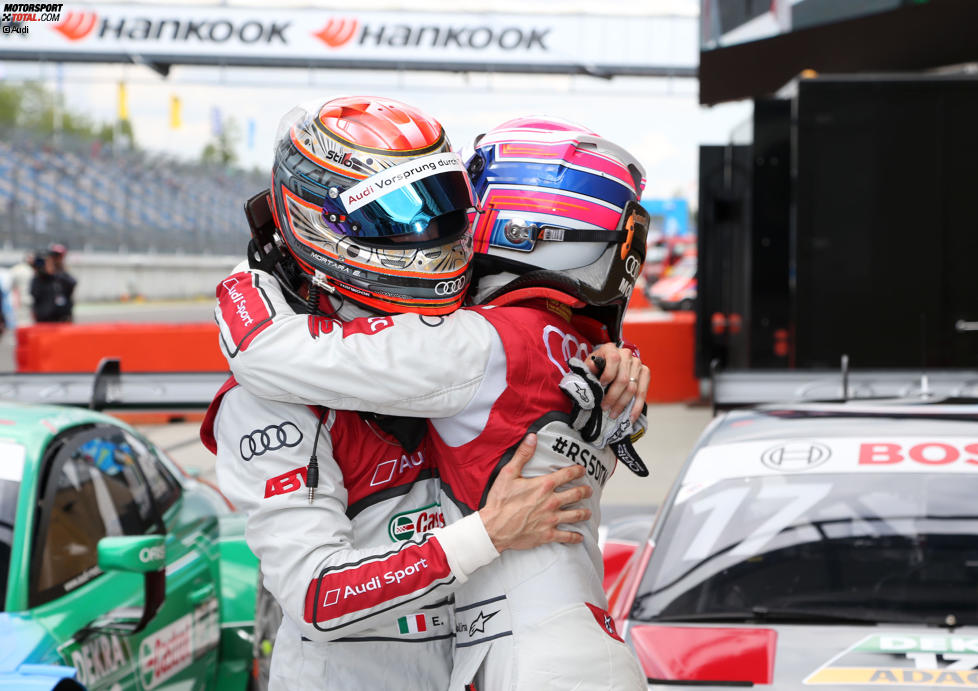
x=450 y=287
x=926 y=453
x=796 y=456
x=270 y=438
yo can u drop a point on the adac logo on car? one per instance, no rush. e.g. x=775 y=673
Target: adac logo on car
x=404 y=526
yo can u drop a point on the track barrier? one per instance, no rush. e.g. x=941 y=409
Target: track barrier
x=666 y=341
x=139 y=347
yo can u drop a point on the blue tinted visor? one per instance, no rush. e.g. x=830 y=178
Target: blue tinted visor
x=403 y=200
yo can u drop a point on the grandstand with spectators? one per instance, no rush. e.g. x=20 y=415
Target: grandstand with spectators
x=99 y=200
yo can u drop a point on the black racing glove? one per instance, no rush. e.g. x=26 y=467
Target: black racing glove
x=586 y=394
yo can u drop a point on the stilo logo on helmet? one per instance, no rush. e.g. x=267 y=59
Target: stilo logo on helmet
x=384 y=224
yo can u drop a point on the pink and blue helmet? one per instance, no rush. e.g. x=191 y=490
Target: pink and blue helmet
x=558 y=208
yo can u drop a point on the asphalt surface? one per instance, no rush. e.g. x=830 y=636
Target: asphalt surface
x=673 y=428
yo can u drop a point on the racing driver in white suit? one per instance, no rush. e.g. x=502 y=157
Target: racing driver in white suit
x=371 y=545
x=563 y=236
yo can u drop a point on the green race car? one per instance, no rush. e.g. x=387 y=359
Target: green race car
x=117 y=570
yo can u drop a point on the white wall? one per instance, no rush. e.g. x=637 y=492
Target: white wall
x=154 y=276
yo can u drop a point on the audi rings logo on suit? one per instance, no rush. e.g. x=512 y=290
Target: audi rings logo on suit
x=271 y=438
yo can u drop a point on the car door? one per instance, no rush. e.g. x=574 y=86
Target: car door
x=94 y=485
x=168 y=657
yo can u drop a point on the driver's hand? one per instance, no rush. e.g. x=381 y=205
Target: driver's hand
x=624 y=378
x=522 y=513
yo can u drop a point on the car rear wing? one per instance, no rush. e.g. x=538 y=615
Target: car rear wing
x=738 y=389
x=108 y=388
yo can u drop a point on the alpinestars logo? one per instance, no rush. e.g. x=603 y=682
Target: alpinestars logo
x=338 y=32
x=479 y=624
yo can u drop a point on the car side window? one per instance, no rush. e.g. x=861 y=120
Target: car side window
x=95 y=489
x=165 y=488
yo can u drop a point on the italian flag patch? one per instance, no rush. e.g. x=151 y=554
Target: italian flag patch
x=412 y=623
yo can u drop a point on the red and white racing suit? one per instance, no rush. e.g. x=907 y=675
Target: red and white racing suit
x=363 y=573
x=533 y=619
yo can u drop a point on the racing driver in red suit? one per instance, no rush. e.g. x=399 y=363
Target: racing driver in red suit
x=485 y=375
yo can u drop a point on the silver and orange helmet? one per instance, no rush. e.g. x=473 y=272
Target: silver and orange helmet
x=372 y=204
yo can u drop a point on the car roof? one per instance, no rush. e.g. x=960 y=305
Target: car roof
x=833 y=437
x=32 y=426
x=843 y=418
x=884 y=407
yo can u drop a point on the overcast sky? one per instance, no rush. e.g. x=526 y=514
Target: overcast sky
x=658 y=119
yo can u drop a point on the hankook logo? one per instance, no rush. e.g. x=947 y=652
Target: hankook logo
x=337 y=32
x=76 y=25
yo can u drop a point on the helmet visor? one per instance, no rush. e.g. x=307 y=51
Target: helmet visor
x=402 y=200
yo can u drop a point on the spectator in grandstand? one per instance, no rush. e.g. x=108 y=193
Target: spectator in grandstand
x=57 y=253
x=21 y=275
x=52 y=289
x=7 y=318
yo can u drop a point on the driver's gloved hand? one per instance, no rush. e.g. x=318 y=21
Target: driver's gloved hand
x=595 y=425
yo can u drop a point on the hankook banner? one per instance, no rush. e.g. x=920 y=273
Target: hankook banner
x=190 y=34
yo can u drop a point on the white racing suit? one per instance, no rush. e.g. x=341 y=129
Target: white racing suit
x=533 y=619
x=364 y=572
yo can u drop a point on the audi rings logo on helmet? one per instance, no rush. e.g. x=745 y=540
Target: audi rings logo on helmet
x=450 y=287
x=271 y=438
x=632 y=266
